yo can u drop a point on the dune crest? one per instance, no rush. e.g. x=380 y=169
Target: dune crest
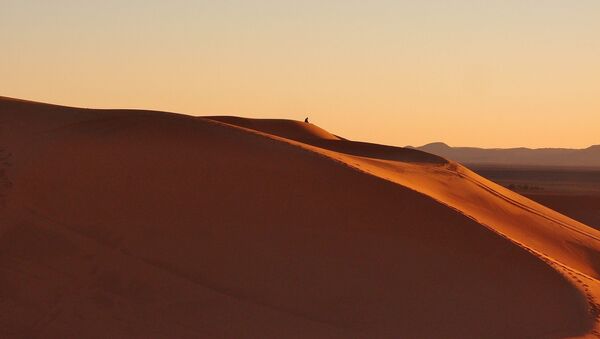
x=149 y=224
x=290 y=129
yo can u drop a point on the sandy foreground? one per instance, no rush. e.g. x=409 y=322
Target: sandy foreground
x=141 y=224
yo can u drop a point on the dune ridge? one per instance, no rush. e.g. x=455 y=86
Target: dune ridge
x=149 y=224
x=387 y=170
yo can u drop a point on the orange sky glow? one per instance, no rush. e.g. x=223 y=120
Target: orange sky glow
x=469 y=73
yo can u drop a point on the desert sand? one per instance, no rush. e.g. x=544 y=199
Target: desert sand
x=143 y=224
x=573 y=191
x=584 y=208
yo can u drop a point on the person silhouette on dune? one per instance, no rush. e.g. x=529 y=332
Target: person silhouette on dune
x=306 y=120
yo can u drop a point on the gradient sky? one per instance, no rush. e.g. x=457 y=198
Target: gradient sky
x=495 y=73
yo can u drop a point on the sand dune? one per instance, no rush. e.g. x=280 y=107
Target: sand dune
x=157 y=225
x=289 y=129
x=310 y=134
x=585 y=208
x=572 y=191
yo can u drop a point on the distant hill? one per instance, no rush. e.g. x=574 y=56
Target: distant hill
x=565 y=157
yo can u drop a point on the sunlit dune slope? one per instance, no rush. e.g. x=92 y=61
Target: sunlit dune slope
x=585 y=208
x=148 y=224
x=569 y=241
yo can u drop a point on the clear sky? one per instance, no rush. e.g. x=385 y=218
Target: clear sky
x=494 y=73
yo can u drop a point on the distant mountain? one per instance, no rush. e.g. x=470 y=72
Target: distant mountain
x=564 y=157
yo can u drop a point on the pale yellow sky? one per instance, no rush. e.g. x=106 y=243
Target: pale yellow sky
x=470 y=73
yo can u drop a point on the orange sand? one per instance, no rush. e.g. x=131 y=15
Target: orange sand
x=140 y=224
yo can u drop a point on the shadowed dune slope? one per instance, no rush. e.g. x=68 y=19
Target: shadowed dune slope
x=146 y=224
x=290 y=129
x=566 y=240
x=311 y=134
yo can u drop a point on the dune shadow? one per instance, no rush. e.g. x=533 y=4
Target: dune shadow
x=383 y=152
x=5 y=183
x=313 y=135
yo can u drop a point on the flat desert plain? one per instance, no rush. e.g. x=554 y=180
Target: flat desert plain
x=144 y=224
